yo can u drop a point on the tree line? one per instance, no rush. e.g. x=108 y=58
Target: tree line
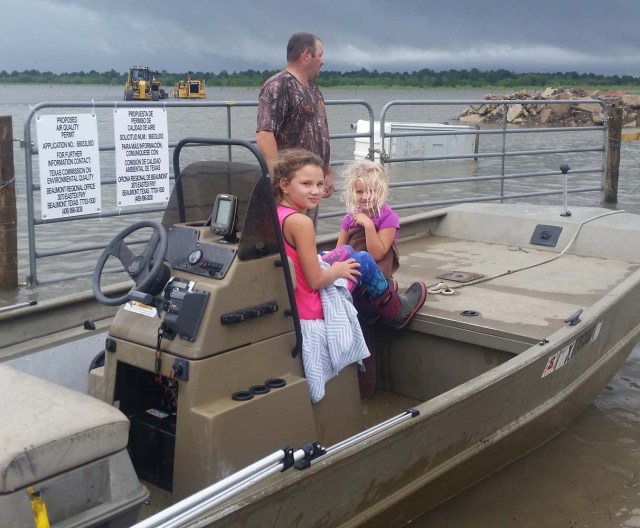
x=424 y=78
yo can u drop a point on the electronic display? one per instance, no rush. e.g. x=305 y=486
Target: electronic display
x=224 y=215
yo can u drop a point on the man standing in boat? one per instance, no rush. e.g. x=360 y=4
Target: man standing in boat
x=291 y=111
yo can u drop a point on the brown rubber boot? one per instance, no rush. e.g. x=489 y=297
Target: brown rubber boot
x=397 y=310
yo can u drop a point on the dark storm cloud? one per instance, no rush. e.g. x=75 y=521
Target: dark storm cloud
x=63 y=36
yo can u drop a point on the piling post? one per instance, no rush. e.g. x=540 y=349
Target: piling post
x=8 y=217
x=612 y=161
x=476 y=145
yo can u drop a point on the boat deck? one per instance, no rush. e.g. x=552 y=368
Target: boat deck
x=525 y=306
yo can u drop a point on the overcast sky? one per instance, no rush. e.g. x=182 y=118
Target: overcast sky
x=587 y=36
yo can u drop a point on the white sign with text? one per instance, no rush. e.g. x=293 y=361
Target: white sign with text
x=69 y=160
x=142 y=156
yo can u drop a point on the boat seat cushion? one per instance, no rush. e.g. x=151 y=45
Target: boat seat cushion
x=48 y=429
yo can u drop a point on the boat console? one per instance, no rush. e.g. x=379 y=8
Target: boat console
x=205 y=358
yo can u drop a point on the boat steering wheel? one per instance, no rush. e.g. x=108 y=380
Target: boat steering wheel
x=138 y=267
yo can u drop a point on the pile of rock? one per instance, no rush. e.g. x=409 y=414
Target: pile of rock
x=557 y=114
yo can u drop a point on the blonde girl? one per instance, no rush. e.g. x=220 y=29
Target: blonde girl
x=370 y=224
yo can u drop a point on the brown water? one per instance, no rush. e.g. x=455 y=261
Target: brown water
x=588 y=476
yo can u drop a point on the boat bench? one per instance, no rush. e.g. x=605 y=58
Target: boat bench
x=48 y=429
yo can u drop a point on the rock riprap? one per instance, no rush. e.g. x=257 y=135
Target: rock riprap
x=554 y=114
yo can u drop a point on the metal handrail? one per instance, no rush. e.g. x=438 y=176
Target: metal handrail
x=31 y=150
x=501 y=154
x=190 y=507
x=202 y=502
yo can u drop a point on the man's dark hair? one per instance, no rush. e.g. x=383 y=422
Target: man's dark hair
x=300 y=42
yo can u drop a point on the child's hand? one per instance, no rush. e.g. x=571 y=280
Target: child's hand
x=347 y=269
x=363 y=220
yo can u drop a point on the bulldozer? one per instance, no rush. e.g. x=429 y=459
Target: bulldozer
x=190 y=89
x=142 y=84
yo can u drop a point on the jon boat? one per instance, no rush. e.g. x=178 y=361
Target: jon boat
x=203 y=388
x=406 y=139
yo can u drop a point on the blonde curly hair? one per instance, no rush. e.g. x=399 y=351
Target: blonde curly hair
x=374 y=180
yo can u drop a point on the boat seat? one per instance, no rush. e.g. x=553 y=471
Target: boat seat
x=48 y=429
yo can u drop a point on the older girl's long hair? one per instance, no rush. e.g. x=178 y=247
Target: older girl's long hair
x=288 y=162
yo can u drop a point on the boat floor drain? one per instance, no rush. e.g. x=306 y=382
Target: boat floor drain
x=469 y=313
x=460 y=276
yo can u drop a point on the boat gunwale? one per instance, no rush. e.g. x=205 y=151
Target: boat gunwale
x=446 y=403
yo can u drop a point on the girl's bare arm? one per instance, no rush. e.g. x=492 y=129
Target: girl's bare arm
x=378 y=242
x=299 y=230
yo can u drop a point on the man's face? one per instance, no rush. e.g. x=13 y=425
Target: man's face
x=316 y=60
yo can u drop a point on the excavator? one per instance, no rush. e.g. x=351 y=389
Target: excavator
x=142 y=84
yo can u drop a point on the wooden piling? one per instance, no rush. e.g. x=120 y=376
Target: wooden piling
x=8 y=216
x=476 y=145
x=612 y=161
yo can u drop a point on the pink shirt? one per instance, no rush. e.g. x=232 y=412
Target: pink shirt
x=307 y=300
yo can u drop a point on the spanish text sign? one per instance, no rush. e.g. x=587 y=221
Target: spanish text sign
x=142 y=155
x=69 y=161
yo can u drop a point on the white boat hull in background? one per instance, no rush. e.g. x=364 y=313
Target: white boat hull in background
x=432 y=144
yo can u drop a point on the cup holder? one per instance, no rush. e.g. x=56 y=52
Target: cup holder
x=242 y=395
x=275 y=383
x=257 y=390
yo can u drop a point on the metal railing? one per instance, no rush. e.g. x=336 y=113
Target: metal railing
x=583 y=164
x=32 y=186
x=586 y=159
x=200 y=505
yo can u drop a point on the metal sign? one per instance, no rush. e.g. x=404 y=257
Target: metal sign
x=69 y=161
x=142 y=155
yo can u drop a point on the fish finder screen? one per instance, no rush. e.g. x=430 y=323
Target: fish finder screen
x=224 y=207
x=224 y=215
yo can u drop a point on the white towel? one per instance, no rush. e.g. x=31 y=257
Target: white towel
x=332 y=343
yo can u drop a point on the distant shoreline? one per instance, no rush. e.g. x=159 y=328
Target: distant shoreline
x=424 y=79
x=629 y=89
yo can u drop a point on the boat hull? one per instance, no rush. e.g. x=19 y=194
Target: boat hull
x=429 y=140
x=460 y=436
x=531 y=334
x=397 y=478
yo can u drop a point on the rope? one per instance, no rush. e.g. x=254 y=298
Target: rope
x=7 y=183
x=442 y=288
x=371 y=155
x=445 y=289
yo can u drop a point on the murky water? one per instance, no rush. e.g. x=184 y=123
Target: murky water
x=589 y=476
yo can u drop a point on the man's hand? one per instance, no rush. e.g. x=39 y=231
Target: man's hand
x=266 y=142
x=329 y=183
